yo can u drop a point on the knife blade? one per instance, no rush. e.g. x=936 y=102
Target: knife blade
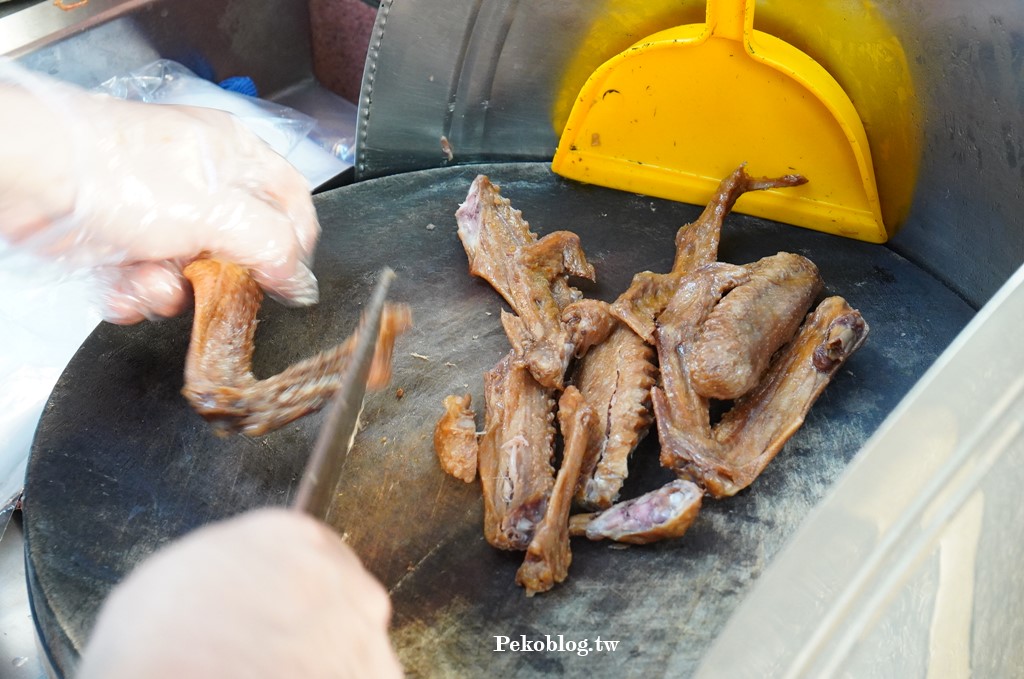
x=319 y=481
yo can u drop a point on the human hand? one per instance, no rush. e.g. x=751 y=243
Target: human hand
x=271 y=593
x=136 y=191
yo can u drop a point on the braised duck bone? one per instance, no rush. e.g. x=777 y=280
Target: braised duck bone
x=218 y=368
x=589 y=322
x=455 y=438
x=515 y=453
x=548 y=556
x=661 y=514
x=696 y=246
x=615 y=377
x=728 y=458
x=531 y=274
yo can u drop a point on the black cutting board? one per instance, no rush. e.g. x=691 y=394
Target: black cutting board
x=121 y=465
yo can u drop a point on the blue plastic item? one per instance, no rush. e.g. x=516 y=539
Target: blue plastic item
x=242 y=84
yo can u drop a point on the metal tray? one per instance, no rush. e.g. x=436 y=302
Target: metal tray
x=121 y=465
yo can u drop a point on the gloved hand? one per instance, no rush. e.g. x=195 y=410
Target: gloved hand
x=136 y=191
x=271 y=593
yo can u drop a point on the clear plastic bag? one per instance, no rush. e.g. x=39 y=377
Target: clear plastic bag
x=168 y=82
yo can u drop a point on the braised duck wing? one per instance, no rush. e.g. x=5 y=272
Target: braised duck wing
x=749 y=435
x=515 y=454
x=677 y=407
x=455 y=438
x=697 y=242
x=660 y=514
x=735 y=344
x=696 y=246
x=531 y=274
x=548 y=556
x=218 y=368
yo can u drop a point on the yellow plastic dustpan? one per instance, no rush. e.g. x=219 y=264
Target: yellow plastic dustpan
x=679 y=110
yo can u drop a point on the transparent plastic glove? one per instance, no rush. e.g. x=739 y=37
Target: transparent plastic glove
x=268 y=594
x=135 y=191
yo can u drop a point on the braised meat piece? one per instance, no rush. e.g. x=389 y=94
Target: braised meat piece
x=726 y=336
x=683 y=408
x=531 y=274
x=515 y=454
x=660 y=514
x=696 y=245
x=455 y=438
x=615 y=378
x=548 y=556
x=735 y=344
x=589 y=322
x=644 y=299
x=728 y=458
x=218 y=368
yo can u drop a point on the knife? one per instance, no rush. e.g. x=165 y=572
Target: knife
x=319 y=481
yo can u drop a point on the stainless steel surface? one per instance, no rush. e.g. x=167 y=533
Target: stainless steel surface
x=911 y=566
x=490 y=76
x=484 y=74
x=267 y=40
x=20 y=656
x=11 y=6
x=319 y=482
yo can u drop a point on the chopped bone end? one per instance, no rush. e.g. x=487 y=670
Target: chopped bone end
x=589 y=322
x=548 y=556
x=455 y=438
x=218 y=368
x=660 y=514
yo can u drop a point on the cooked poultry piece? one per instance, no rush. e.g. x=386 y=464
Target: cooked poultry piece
x=660 y=514
x=548 y=556
x=728 y=458
x=515 y=454
x=531 y=274
x=589 y=322
x=615 y=378
x=455 y=438
x=737 y=341
x=644 y=299
x=696 y=245
x=218 y=368
x=678 y=325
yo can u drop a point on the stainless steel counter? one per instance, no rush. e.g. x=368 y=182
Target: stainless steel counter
x=20 y=657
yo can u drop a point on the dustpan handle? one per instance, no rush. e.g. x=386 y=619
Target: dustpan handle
x=730 y=19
